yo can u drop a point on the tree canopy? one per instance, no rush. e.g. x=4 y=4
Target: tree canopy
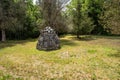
x=22 y=19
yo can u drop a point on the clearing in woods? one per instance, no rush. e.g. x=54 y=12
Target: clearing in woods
x=91 y=58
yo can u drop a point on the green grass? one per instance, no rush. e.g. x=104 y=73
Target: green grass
x=91 y=58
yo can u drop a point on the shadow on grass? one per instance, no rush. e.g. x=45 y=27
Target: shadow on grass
x=84 y=38
x=108 y=37
x=94 y=37
x=14 y=43
x=23 y=42
x=68 y=42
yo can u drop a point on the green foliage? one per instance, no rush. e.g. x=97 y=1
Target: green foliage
x=21 y=22
x=21 y=19
x=78 y=10
x=6 y=14
x=87 y=25
x=94 y=10
x=110 y=19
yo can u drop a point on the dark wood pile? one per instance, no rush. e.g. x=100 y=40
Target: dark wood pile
x=48 y=40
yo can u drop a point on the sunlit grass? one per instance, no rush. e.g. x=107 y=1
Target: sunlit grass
x=91 y=58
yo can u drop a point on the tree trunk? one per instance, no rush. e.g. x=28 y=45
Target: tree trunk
x=78 y=36
x=3 y=35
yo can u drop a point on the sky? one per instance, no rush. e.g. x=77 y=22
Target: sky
x=34 y=1
x=68 y=1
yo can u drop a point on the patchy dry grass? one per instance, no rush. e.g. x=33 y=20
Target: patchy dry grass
x=91 y=58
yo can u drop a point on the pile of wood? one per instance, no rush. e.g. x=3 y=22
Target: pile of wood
x=48 y=40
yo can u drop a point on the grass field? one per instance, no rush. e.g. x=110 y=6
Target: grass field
x=91 y=58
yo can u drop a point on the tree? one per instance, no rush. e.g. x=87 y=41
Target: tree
x=95 y=8
x=77 y=17
x=110 y=19
x=74 y=13
x=5 y=16
x=51 y=11
x=11 y=15
x=83 y=24
x=22 y=23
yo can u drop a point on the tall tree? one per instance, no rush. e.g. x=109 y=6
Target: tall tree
x=77 y=17
x=95 y=8
x=78 y=10
x=110 y=19
x=11 y=15
x=5 y=16
x=52 y=14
